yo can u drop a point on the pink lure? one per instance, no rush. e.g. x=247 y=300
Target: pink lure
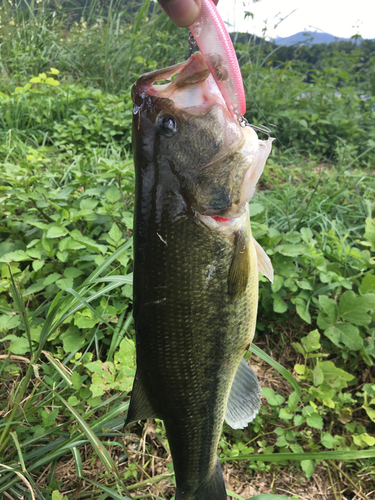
x=217 y=49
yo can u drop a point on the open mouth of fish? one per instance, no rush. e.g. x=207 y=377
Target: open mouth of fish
x=193 y=91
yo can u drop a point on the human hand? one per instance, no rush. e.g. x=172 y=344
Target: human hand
x=182 y=12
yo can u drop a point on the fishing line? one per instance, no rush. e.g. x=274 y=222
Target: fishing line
x=259 y=128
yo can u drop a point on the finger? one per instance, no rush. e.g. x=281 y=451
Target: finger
x=182 y=12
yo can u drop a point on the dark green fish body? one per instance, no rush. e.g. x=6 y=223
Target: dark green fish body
x=195 y=278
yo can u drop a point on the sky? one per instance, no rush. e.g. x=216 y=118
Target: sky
x=341 y=18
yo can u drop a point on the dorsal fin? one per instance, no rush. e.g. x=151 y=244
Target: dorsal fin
x=244 y=401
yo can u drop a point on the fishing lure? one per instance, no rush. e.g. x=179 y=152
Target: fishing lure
x=217 y=49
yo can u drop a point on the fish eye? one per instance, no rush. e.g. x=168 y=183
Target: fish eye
x=167 y=125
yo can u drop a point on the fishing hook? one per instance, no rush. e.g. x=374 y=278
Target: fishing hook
x=265 y=130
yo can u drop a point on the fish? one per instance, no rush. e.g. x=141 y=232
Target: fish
x=196 y=268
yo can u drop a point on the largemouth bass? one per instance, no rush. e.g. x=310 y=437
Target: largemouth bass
x=195 y=269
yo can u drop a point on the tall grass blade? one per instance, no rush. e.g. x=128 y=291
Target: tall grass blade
x=77 y=461
x=297 y=457
x=86 y=304
x=283 y=371
x=59 y=367
x=259 y=497
x=20 y=454
x=108 y=491
x=20 y=306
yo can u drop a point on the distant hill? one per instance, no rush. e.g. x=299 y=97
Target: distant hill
x=311 y=38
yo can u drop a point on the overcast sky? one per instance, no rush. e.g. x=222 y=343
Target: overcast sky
x=341 y=18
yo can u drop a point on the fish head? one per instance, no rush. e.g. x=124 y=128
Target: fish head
x=185 y=127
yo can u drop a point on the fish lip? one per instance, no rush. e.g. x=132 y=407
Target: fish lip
x=226 y=227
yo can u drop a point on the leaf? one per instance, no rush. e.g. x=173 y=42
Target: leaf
x=278 y=282
x=52 y=278
x=291 y=250
x=72 y=272
x=318 y=375
x=125 y=364
x=314 y=420
x=306 y=234
x=38 y=264
x=370 y=412
x=370 y=233
x=354 y=308
x=56 y=495
x=298 y=348
x=368 y=284
x=72 y=340
x=16 y=256
x=256 y=208
x=51 y=81
x=304 y=284
x=35 y=288
x=329 y=306
x=327 y=440
x=18 y=345
x=279 y=305
x=272 y=398
x=64 y=283
x=311 y=341
x=76 y=380
x=363 y=440
x=101 y=451
x=113 y=194
x=298 y=420
x=128 y=220
x=303 y=313
x=344 y=333
x=115 y=233
x=335 y=377
x=82 y=321
x=308 y=467
x=88 y=242
x=72 y=400
x=53 y=71
x=56 y=232
x=293 y=401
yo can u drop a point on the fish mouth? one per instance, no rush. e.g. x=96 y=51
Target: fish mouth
x=192 y=90
x=226 y=226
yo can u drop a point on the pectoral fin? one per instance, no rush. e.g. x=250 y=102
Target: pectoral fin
x=239 y=270
x=264 y=262
x=140 y=407
x=244 y=402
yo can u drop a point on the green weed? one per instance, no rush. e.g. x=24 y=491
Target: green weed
x=66 y=222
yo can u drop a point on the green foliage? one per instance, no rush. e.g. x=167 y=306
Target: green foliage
x=66 y=222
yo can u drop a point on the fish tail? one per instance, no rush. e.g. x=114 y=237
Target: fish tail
x=212 y=489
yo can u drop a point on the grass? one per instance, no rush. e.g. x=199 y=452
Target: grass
x=67 y=356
